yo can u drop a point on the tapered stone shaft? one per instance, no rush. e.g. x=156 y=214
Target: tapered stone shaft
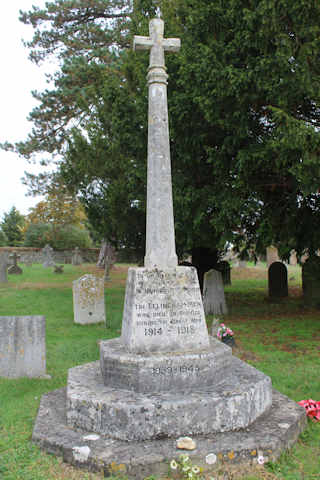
x=160 y=240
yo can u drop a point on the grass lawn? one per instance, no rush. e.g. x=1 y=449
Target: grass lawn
x=281 y=339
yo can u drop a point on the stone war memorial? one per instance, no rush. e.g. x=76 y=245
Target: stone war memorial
x=164 y=378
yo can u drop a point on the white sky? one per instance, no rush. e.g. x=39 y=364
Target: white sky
x=18 y=77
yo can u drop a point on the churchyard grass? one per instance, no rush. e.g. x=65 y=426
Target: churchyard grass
x=281 y=339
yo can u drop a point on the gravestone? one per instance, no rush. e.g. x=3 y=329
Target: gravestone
x=88 y=300
x=213 y=294
x=272 y=255
x=163 y=378
x=4 y=263
x=58 y=269
x=47 y=257
x=14 y=269
x=242 y=264
x=22 y=346
x=76 y=257
x=278 y=280
x=311 y=281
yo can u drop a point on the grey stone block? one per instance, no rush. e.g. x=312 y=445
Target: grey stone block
x=163 y=311
x=22 y=346
x=269 y=435
x=240 y=397
x=162 y=372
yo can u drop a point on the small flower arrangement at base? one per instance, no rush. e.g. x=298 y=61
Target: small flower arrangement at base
x=226 y=335
x=312 y=409
x=183 y=466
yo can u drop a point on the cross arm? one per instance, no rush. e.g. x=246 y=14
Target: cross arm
x=142 y=43
x=172 y=44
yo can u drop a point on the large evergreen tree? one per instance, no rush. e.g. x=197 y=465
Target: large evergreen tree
x=244 y=117
x=12 y=226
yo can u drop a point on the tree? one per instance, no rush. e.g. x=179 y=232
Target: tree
x=244 y=116
x=3 y=239
x=12 y=226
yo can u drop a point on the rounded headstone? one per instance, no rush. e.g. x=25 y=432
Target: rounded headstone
x=278 y=280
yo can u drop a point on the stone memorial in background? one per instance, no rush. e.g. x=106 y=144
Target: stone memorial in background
x=311 y=281
x=88 y=300
x=278 y=280
x=47 y=257
x=164 y=377
x=76 y=257
x=14 y=269
x=4 y=263
x=272 y=255
x=22 y=346
x=214 y=302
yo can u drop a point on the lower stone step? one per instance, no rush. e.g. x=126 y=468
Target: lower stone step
x=267 y=437
x=239 y=398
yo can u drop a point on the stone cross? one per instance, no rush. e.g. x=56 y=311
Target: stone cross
x=160 y=241
x=15 y=258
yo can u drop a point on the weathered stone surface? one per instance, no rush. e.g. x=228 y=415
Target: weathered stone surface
x=88 y=300
x=214 y=302
x=162 y=372
x=241 y=395
x=311 y=281
x=4 y=263
x=22 y=346
x=163 y=311
x=278 y=280
x=47 y=257
x=270 y=434
x=160 y=243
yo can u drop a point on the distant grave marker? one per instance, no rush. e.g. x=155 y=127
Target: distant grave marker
x=88 y=300
x=22 y=346
x=311 y=281
x=14 y=269
x=278 y=280
x=213 y=294
x=47 y=255
x=4 y=263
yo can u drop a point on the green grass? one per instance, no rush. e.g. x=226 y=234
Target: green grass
x=281 y=339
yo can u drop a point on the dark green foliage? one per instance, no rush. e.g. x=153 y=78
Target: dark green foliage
x=244 y=116
x=3 y=239
x=12 y=226
x=64 y=237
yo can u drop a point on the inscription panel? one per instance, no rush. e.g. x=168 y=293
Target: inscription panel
x=163 y=311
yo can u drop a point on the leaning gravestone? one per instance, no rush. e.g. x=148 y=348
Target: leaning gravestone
x=88 y=300
x=47 y=256
x=278 y=280
x=22 y=346
x=164 y=378
x=4 y=263
x=15 y=269
x=214 y=302
x=311 y=281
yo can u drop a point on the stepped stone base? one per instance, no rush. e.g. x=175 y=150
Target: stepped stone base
x=269 y=435
x=163 y=372
x=240 y=397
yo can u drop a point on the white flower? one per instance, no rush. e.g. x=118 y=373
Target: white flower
x=195 y=469
x=211 y=458
x=260 y=459
x=184 y=458
x=185 y=468
x=173 y=465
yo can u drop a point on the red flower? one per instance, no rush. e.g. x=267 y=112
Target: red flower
x=312 y=408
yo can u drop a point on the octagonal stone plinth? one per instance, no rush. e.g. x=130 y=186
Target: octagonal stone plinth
x=240 y=397
x=162 y=372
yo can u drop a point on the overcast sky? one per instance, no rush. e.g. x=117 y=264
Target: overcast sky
x=18 y=77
